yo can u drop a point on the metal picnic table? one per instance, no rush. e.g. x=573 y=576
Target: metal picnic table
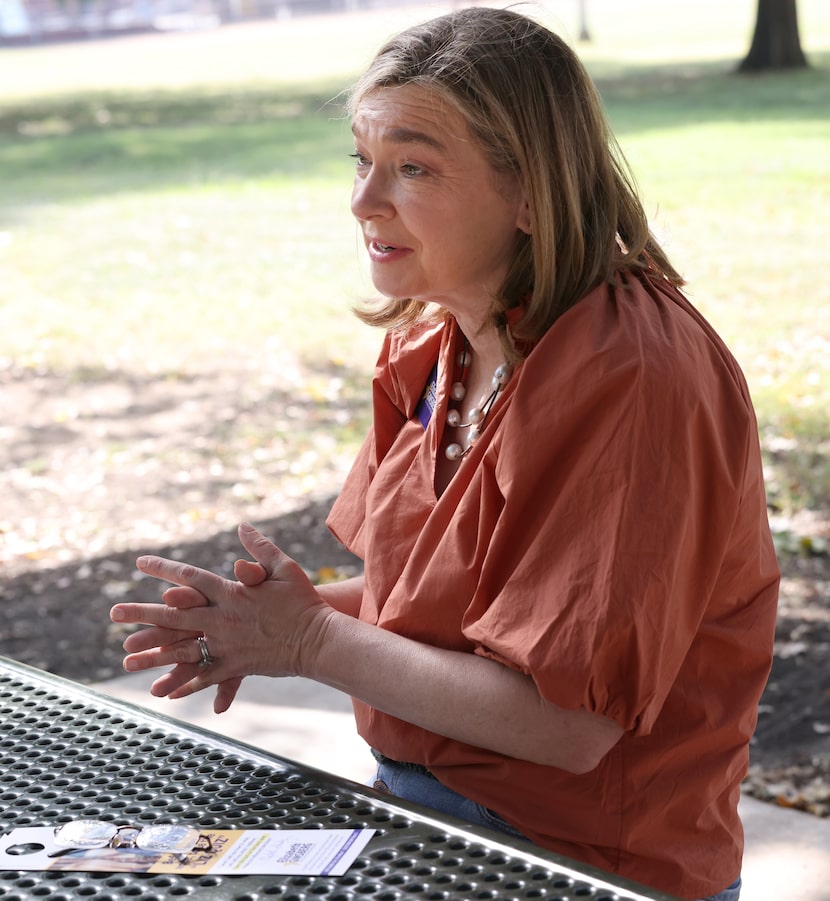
x=68 y=752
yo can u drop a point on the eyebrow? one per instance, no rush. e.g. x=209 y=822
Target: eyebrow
x=411 y=136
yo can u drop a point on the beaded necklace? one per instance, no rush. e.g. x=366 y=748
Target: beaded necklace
x=479 y=413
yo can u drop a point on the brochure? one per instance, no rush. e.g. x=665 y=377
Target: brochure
x=230 y=852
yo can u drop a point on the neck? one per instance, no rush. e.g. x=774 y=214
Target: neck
x=484 y=345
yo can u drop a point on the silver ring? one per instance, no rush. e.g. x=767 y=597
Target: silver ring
x=203 y=650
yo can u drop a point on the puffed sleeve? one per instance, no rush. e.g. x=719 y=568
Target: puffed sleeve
x=401 y=372
x=622 y=465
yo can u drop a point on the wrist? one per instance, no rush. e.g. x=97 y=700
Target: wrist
x=317 y=638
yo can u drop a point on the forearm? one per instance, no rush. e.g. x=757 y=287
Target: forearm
x=343 y=596
x=285 y=626
x=462 y=696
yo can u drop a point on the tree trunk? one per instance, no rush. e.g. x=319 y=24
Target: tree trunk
x=584 y=33
x=775 y=44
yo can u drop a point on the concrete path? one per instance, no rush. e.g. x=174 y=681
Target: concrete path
x=787 y=854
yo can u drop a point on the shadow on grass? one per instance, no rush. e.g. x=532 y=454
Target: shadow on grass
x=674 y=95
x=178 y=419
x=104 y=110
x=57 y=619
x=796 y=450
x=70 y=147
x=156 y=464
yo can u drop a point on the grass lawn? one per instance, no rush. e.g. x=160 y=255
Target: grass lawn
x=170 y=201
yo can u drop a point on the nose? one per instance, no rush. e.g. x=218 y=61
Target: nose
x=371 y=198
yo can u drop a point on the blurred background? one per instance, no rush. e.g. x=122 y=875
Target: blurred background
x=178 y=262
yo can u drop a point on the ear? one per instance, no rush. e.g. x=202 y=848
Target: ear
x=523 y=220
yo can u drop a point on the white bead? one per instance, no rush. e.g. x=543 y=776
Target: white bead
x=502 y=375
x=478 y=415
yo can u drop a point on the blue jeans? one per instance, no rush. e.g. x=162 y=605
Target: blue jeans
x=394 y=779
x=733 y=893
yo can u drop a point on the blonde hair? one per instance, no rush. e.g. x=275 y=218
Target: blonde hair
x=531 y=104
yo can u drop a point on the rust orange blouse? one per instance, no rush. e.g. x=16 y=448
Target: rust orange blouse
x=607 y=536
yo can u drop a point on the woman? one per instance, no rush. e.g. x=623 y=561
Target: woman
x=566 y=616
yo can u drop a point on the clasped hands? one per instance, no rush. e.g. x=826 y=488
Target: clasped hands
x=268 y=622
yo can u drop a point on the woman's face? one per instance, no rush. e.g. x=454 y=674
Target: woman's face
x=438 y=221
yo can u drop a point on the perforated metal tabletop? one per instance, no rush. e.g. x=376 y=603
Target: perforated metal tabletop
x=67 y=752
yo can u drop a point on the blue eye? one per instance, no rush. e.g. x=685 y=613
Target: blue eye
x=359 y=158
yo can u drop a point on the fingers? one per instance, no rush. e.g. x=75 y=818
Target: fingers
x=187 y=679
x=175 y=625
x=174 y=619
x=278 y=566
x=184 y=597
x=184 y=681
x=250 y=573
x=180 y=682
x=225 y=694
x=271 y=563
x=181 y=652
x=154 y=638
x=158 y=637
x=231 y=614
x=208 y=583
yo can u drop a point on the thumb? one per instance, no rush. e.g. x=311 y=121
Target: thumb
x=249 y=573
x=266 y=554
